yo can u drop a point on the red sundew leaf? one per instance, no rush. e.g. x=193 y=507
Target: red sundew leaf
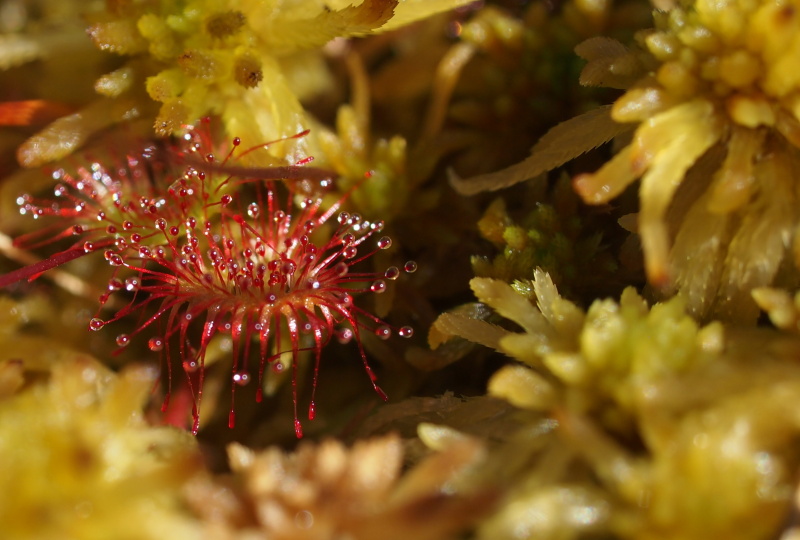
x=33 y=271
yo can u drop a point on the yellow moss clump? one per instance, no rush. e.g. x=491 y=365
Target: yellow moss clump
x=79 y=459
x=713 y=105
x=352 y=153
x=325 y=491
x=249 y=62
x=577 y=249
x=625 y=434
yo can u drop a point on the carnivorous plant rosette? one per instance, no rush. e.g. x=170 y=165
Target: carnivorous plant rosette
x=221 y=249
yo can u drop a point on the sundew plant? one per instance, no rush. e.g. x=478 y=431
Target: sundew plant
x=206 y=258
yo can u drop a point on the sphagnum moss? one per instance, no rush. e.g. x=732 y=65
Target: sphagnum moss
x=326 y=490
x=711 y=103
x=250 y=63
x=653 y=449
x=78 y=453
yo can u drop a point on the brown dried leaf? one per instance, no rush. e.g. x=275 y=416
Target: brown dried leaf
x=564 y=142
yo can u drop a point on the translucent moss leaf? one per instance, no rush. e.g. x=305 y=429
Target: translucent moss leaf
x=611 y=64
x=696 y=259
x=510 y=304
x=734 y=182
x=523 y=388
x=564 y=142
x=328 y=24
x=691 y=130
x=758 y=247
x=456 y=325
x=456 y=452
x=408 y=11
x=66 y=134
x=16 y=50
x=783 y=310
x=566 y=317
x=120 y=37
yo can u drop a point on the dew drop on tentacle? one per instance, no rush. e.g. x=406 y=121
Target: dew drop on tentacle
x=384 y=243
x=190 y=366
x=115 y=284
x=298 y=429
x=132 y=284
x=405 y=331
x=378 y=286
x=113 y=258
x=383 y=331
x=410 y=267
x=155 y=344
x=340 y=269
x=392 y=273
x=123 y=340
x=344 y=335
x=96 y=324
x=241 y=378
x=253 y=210
x=288 y=267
